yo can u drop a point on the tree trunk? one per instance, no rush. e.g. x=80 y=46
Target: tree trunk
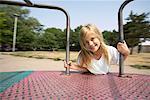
x=131 y=51
x=139 y=48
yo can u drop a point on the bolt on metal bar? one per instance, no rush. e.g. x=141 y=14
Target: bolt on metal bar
x=49 y=7
x=28 y=2
x=121 y=35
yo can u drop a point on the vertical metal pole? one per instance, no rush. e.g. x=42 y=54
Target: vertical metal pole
x=15 y=31
x=67 y=42
x=121 y=37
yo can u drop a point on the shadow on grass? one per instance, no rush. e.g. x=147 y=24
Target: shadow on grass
x=141 y=66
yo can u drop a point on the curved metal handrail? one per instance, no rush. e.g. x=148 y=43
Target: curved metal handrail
x=121 y=35
x=48 y=7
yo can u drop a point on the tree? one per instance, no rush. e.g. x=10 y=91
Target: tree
x=137 y=27
x=26 y=29
x=53 y=39
x=74 y=39
x=110 y=37
x=6 y=25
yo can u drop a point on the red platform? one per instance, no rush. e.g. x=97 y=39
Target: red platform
x=56 y=86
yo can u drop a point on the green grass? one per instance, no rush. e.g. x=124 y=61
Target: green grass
x=141 y=66
x=56 y=56
x=57 y=59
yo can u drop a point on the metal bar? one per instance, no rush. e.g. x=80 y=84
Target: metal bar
x=121 y=37
x=28 y=2
x=49 y=7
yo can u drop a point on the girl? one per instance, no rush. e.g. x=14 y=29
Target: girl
x=95 y=56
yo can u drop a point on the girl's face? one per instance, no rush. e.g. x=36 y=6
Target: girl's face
x=92 y=43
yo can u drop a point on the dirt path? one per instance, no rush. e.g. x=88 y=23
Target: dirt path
x=12 y=63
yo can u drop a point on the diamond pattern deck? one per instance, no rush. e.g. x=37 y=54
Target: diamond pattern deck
x=42 y=85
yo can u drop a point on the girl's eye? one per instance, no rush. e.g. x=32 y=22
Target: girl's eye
x=87 y=42
x=92 y=39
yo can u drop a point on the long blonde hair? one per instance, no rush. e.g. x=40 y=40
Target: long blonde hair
x=86 y=55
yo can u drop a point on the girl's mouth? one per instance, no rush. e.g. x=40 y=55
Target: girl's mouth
x=93 y=47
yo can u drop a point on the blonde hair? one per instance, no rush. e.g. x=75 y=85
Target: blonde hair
x=86 y=55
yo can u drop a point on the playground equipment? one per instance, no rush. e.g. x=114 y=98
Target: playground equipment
x=47 y=85
x=51 y=85
x=121 y=37
x=30 y=4
x=120 y=26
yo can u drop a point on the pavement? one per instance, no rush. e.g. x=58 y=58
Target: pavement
x=10 y=63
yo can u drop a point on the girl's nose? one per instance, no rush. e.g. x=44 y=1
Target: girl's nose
x=90 y=43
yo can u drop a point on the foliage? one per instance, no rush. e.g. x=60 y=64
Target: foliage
x=137 y=27
x=32 y=36
x=26 y=28
x=110 y=37
x=74 y=40
x=51 y=39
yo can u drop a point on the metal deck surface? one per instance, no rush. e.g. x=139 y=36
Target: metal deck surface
x=49 y=85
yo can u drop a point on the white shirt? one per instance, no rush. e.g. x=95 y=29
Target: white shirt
x=101 y=66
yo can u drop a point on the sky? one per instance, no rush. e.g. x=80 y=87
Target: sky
x=102 y=13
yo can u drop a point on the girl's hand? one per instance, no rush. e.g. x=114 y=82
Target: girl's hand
x=66 y=65
x=74 y=66
x=69 y=65
x=123 y=49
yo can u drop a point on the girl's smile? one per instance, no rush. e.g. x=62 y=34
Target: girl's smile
x=92 y=43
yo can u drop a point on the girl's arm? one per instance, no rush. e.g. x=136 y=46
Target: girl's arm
x=75 y=66
x=123 y=49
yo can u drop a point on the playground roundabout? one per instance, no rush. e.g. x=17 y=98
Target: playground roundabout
x=30 y=80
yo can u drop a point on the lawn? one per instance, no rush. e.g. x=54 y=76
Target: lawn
x=141 y=60
x=55 y=55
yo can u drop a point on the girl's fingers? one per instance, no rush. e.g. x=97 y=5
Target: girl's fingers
x=123 y=48
x=67 y=65
x=122 y=45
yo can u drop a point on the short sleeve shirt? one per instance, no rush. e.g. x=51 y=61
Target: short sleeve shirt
x=101 y=66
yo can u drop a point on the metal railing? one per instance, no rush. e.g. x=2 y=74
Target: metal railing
x=121 y=35
x=30 y=4
x=120 y=26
